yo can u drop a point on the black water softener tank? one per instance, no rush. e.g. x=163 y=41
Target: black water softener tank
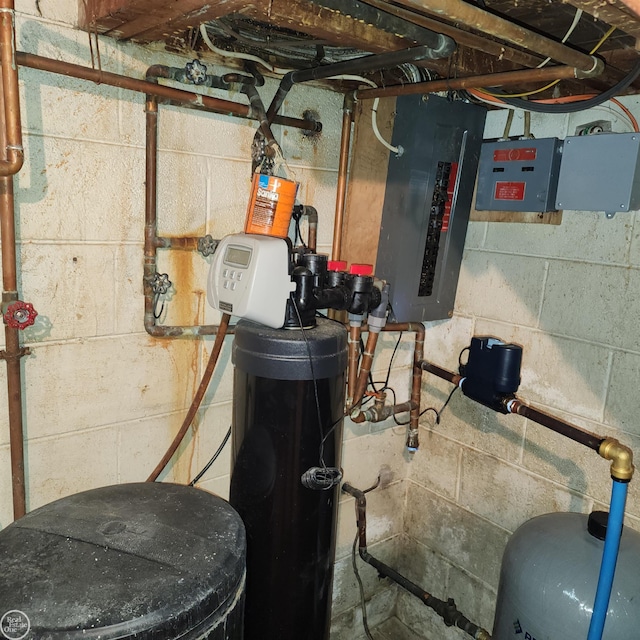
x=283 y=379
x=148 y=561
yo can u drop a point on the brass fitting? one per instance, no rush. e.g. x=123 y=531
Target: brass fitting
x=621 y=458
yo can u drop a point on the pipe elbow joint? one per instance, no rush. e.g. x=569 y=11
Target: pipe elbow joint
x=446 y=46
x=621 y=459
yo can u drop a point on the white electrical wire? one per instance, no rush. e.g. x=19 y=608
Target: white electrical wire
x=247 y=56
x=374 y=113
x=574 y=24
x=240 y=56
x=399 y=150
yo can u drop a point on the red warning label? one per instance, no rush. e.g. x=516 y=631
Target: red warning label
x=514 y=155
x=510 y=190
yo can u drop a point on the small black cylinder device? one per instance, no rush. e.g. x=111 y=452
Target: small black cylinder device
x=492 y=373
x=287 y=431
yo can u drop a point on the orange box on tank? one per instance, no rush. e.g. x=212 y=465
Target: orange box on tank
x=270 y=206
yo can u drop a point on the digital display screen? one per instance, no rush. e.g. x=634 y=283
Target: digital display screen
x=237 y=256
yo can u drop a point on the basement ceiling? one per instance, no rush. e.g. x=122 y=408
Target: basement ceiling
x=294 y=34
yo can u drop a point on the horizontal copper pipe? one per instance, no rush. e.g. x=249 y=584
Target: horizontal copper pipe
x=471 y=16
x=506 y=78
x=178 y=243
x=176 y=96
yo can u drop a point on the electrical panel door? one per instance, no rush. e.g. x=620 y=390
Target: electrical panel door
x=427 y=204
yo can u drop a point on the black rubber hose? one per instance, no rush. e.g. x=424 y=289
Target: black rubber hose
x=581 y=105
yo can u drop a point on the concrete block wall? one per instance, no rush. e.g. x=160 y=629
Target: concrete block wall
x=103 y=398
x=569 y=295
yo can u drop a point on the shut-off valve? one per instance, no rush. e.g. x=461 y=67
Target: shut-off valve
x=20 y=315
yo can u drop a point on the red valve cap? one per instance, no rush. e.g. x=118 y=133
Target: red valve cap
x=337 y=265
x=361 y=270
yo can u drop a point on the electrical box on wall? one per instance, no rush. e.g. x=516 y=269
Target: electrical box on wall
x=600 y=173
x=519 y=175
x=427 y=202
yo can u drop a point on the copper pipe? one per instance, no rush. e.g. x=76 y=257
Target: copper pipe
x=174 y=96
x=449 y=376
x=10 y=163
x=13 y=158
x=365 y=368
x=197 y=399
x=506 y=78
x=469 y=15
x=179 y=243
x=562 y=427
x=345 y=143
x=609 y=448
x=418 y=354
x=152 y=242
x=355 y=330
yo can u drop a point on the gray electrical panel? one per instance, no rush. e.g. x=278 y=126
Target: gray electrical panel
x=600 y=172
x=427 y=204
x=519 y=175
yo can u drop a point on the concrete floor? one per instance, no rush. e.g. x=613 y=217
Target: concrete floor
x=393 y=629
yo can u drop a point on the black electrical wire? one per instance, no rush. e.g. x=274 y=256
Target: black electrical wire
x=315 y=382
x=580 y=105
x=444 y=406
x=393 y=355
x=213 y=458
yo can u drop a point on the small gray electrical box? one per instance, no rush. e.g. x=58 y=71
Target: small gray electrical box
x=519 y=175
x=600 y=173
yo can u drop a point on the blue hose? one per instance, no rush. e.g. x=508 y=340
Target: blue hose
x=609 y=559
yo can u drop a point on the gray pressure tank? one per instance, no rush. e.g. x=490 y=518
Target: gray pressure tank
x=150 y=561
x=549 y=577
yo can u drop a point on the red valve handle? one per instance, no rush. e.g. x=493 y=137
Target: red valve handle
x=337 y=265
x=20 y=315
x=361 y=270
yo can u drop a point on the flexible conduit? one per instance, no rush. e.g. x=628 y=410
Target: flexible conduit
x=609 y=559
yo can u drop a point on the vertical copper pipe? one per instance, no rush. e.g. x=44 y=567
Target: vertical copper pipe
x=365 y=367
x=345 y=144
x=418 y=353
x=13 y=159
x=10 y=162
x=352 y=366
x=150 y=206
